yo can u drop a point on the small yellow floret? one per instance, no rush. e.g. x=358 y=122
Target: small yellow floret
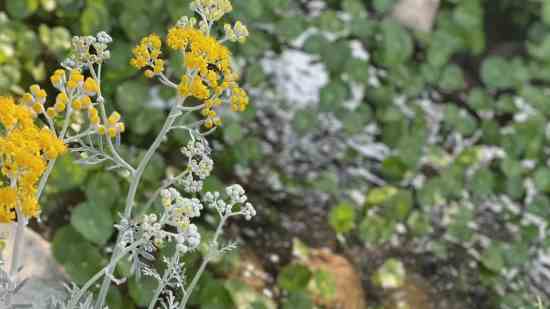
x=114 y=118
x=91 y=86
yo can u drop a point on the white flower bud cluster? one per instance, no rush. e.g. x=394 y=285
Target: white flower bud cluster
x=237 y=196
x=237 y=33
x=81 y=46
x=178 y=213
x=152 y=229
x=212 y=10
x=200 y=165
x=189 y=239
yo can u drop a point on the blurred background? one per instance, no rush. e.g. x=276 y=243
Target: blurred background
x=396 y=150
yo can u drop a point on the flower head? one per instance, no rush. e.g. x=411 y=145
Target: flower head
x=25 y=150
x=209 y=76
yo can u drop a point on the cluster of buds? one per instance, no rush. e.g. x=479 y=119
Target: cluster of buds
x=237 y=33
x=236 y=196
x=75 y=89
x=212 y=10
x=200 y=165
x=178 y=212
x=113 y=128
x=147 y=55
x=35 y=99
x=239 y=100
x=83 y=46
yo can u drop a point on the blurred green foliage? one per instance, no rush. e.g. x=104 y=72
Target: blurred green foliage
x=484 y=73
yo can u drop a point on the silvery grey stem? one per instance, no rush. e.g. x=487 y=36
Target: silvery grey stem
x=18 y=243
x=136 y=180
x=204 y=263
x=98 y=275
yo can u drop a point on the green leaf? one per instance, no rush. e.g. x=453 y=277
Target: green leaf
x=542 y=179
x=80 y=259
x=103 y=189
x=298 y=300
x=396 y=45
x=546 y=12
x=330 y=22
x=376 y=230
x=391 y=274
x=94 y=222
x=213 y=294
x=21 y=8
x=131 y=96
x=336 y=61
x=95 y=18
x=233 y=133
x=495 y=72
x=342 y=218
x=294 y=277
x=305 y=121
x=245 y=296
x=142 y=290
x=333 y=95
x=493 y=258
x=452 y=78
x=378 y=196
x=290 y=28
x=399 y=206
x=135 y=23
x=383 y=5
x=67 y=174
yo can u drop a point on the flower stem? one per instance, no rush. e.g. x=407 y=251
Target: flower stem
x=18 y=243
x=204 y=263
x=136 y=180
x=99 y=274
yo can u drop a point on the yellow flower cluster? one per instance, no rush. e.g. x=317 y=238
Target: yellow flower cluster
x=113 y=127
x=209 y=64
x=77 y=92
x=24 y=151
x=208 y=76
x=147 y=54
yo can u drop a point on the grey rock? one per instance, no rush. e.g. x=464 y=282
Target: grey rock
x=44 y=276
x=416 y=14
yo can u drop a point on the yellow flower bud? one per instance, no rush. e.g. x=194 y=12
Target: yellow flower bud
x=72 y=84
x=101 y=130
x=94 y=119
x=112 y=132
x=35 y=89
x=51 y=112
x=59 y=107
x=121 y=127
x=77 y=104
x=91 y=86
x=114 y=118
x=37 y=108
x=62 y=98
x=86 y=102
x=27 y=99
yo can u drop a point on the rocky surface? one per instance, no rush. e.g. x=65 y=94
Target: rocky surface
x=349 y=293
x=44 y=276
x=416 y=14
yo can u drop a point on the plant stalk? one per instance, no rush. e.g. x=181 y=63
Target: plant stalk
x=136 y=180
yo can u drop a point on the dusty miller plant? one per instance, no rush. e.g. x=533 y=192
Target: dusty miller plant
x=78 y=121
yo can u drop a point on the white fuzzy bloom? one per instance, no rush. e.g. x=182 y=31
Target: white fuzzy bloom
x=236 y=193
